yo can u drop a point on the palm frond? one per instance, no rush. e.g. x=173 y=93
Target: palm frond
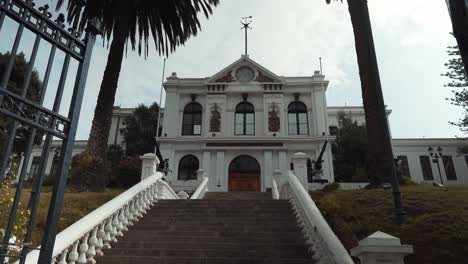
x=169 y=23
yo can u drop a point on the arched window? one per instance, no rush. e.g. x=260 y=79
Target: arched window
x=188 y=167
x=297 y=119
x=192 y=120
x=245 y=119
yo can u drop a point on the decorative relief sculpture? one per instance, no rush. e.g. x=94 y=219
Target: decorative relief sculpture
x=226 y=79
x=263 y=78
x=215 y=120
x=273 y=118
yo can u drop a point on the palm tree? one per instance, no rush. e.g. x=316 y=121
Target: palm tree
x=169 y=23
x=381 y=166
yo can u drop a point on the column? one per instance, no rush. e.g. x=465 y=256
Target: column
x=300 y=168
x=283 y=162
x=220 y=172
x=267 y=171
x=206 y=166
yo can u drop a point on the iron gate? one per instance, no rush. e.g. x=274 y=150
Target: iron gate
x=34 y=117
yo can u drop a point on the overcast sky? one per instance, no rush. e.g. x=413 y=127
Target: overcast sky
x=288 y=37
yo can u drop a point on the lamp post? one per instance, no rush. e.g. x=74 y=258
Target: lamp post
x=435 y=158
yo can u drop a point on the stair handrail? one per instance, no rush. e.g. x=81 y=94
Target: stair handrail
x=202 y=189
x=320 y=237
x=274 y=190
x=83 y=240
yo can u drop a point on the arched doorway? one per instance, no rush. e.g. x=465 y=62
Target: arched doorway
x=244 y=174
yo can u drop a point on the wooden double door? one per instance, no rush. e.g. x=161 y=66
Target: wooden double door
x=244 y=174
x=244 y=182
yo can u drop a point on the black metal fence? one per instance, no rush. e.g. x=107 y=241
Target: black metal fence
x=28 y=117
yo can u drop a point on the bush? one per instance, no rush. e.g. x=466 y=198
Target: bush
x=129 y=172
x=407 y=181
x=22 y=215
x=83 y=166
x=331 y=187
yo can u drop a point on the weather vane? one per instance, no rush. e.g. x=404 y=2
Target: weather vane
x=245 y=25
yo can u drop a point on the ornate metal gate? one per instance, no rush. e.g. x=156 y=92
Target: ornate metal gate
x=34 y=117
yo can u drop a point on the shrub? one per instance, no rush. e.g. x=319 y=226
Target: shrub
x=407 y=181
x=129 y=172
x=22 y=215
x=331 y=187
x=83 y=166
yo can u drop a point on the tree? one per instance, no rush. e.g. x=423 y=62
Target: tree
x=381 y=167
x=459 y=83
x=349 y=150
x=15 y=83
x=380 y=163
x=169 y=23
x=140 y=130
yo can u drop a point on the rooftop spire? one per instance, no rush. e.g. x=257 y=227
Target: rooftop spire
x=245 y=25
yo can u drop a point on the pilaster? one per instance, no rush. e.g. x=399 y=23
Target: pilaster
x=267 y=170
x=221 y=177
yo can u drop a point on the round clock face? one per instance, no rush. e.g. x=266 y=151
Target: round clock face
x=245 y=74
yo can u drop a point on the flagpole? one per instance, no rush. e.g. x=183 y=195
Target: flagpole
x=160 y=106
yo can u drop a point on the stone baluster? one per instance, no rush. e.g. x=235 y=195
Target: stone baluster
x=142 y=203
x=129 y=214
x=54 y=260
x=108 y=237
x=100 y=239
x=93 y=241
x=73 y=256
x=138 y=207
x=119 y=225
x=63 y=257
x=83 y=248
x=123 y=218
x=114 y=231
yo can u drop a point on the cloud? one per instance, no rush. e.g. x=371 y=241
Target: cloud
x=288 y=37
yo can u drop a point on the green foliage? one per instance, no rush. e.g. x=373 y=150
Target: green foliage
x=331 y=187
x=83 y=167
x=140 y=130
x=406 y=180
x=436 y=224
x=349 y=149
x=129 y=172
x=459 y=83
x=15 y=83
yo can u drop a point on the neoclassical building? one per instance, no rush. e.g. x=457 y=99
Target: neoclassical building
x=244 y=122
x=241 y=124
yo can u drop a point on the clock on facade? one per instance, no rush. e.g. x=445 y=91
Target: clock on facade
x=245 y=74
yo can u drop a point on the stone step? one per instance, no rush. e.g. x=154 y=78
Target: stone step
x=205 y=245
x=224 y=221
x=188 y=260
x=212 y=252
x=218 y=228
x=131 y=237
x=149 y=234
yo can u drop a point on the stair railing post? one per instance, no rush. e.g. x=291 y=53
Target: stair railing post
x=300 y=168
x=149 y=165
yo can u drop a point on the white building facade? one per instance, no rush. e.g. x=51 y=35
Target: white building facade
x=242 y=124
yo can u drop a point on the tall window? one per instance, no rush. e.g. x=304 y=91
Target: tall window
x=192 y=120
x=426 y=168
x=449 y=168
x=297 y=119
x=404 y=167
x=310 y=178
x=188 y=167
x=333 y=130
x=245 y=119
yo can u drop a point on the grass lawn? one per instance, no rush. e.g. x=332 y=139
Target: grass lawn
x=437 y=219
x=75 y=206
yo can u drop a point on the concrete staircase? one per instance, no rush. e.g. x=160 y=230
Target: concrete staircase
x=222 y=228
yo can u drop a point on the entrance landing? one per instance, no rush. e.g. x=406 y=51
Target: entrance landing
x=237 y=196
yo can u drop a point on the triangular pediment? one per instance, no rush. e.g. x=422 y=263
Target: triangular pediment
x=228 y=74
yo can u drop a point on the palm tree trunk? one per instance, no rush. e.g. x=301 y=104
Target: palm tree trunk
x=97 y=143
x=381 y=163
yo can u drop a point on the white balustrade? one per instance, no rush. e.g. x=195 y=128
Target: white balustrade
x=202 y=189
x=326 y=247
x=85 y=239
x=274 y=190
